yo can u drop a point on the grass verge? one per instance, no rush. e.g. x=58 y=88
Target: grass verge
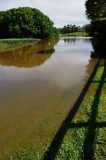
x=85 y=137
x=6 y=44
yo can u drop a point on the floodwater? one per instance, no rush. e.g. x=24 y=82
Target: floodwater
x=38 y=86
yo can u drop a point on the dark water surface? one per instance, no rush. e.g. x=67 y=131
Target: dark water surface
x=38 y=85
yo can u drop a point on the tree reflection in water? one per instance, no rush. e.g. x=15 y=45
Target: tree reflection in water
x=28 y=56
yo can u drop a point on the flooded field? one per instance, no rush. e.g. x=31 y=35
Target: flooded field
x=38 y=86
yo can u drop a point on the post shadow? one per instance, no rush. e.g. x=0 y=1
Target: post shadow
x=89 y=142
x=86 y=125
x=97 y=81
x=56 y=143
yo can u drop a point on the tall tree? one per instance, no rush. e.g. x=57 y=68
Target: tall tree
x=96 y=9
x=96 y=12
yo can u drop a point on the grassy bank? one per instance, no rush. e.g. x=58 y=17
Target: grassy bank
x=84 y=136
x=13 y=43
x=76 y=34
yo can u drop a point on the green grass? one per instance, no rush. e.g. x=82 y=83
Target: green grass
x=76 y=34
x=6 y=44
x=81 y=138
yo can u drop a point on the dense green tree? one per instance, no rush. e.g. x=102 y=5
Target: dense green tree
x=25 y=22
x=96 y=12
x=96 y=9
x=87 y=28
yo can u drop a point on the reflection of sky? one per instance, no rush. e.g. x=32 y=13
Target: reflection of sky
x=63 y=69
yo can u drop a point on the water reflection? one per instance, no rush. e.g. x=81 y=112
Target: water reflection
x=34 y=101
x=69 y=40
x=76 y=39
x=28 y=56
x=99 y=48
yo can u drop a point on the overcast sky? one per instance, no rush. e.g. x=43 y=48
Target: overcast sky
x=61 y=12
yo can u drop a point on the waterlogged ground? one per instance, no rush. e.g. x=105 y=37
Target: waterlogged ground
x=85 y=135
x=38 y=86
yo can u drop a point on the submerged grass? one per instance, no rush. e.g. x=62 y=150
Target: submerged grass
x=6 y=44
x=85 y=137
x=25 y=154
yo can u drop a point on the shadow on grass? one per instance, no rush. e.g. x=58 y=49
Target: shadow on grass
x=89 y=143
x=86 y=125
x=57 y=141
x=97 y=81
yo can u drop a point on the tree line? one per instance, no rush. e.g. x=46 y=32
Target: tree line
x=26 y=22
x=73 y=28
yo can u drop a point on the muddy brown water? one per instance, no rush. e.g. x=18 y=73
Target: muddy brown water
x=38 y=86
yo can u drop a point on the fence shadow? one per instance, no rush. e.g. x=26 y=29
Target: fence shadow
x=57 y=141
x=89 y=143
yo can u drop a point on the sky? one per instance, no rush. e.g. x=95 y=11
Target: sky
x=61 y=12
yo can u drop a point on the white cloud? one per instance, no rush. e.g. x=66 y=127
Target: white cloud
x=62 y=12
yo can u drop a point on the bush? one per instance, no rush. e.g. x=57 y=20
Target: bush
x=25 y=22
